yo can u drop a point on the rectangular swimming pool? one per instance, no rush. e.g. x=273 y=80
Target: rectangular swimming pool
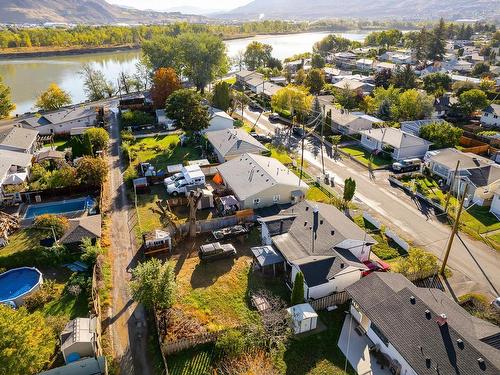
x=60 y=207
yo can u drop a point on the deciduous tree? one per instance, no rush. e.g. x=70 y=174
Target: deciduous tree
x=480 y=69
x=92 y=171
x=413 y=105
x=472 y=100
x=383 y=78
x=49 y=222
x=6 y=105
x=185 y=107
x=53 y=98
x=294 y=100
x=165 y=82
x=95 y=84
x=315 y=81
x=317 y=61
x=257 y=55
x=418 y=261
x=437 y=83
x=27 y=343
x=153 y=284
x=441 y=134
x=98 y=138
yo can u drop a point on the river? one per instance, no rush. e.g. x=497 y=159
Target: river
x=27 y=78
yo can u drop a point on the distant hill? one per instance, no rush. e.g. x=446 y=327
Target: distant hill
x=80 y=11
x=403 y=9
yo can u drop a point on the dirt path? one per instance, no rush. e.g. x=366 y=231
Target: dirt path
x=127 y=321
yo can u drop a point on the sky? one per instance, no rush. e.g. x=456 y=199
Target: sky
x=168 y=4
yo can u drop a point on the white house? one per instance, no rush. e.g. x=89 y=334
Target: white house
x=401 y=145
x=346 y=122
x=491 y=116
x=414 y=331
x=479 y=174
x=19 y=139
x=62 y=120
x=364 y=64
x=319 y=241
x=355 y=85
x=219 y=120
x=398 y=58
x=379 y=66
x=258 y=181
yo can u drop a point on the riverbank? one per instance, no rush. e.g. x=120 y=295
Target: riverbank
x=33 y=52
x=20 y=53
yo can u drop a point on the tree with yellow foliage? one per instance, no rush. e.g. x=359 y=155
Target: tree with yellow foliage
x=53 y=98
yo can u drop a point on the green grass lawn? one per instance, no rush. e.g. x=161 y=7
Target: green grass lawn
x=162 y=151
x=364 y=156
x=279 y=154
x=323 y=355
x=317 y=195
x=480 y=219
x=67 y=305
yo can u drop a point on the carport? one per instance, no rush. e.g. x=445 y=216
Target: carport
x=267 y=258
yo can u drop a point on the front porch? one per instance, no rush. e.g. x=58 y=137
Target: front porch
x=356 y=349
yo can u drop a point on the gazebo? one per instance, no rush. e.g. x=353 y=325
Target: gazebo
x=267 y=258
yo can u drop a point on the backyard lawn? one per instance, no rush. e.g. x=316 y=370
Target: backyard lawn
x=162 y=151
x=364 y=156
x=216 y=294
x=279 y=154
x=323 y=355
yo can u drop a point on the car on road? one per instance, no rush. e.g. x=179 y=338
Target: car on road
x=407 y=165
x=254 y=106
x=298 y=131
x=215 y=251
x=274 y=117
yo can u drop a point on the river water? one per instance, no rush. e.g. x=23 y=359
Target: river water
x=27 y=78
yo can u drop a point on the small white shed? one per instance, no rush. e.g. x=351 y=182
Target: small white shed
x=304 y=317
x=78 y=340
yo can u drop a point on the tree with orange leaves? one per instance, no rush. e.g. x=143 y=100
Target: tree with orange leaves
x=165 y=82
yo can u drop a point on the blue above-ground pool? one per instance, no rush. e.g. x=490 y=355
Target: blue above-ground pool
x=59 y=207
x=18 y=283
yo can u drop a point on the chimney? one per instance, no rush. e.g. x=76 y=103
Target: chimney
x=281 y=226
x=427 y=314
x=315 y=218
x=412 y=300
x=442 y=320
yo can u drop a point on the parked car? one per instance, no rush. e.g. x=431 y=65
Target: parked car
x=216 y=251
x=173 y=178
x=182 y=187
x=274 y=117
x=254 y=106
x=407 y=165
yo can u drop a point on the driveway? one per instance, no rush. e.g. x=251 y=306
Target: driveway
x=128 y=319
x=474 y=264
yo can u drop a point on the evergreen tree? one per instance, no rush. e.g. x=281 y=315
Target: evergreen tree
x=437 y=42
x=298 y=290
x=221 y=96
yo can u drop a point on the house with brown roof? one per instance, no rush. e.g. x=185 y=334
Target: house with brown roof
x=80 y=228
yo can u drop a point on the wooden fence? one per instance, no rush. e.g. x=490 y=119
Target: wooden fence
x=332 y=299
x=178 y=345
x=206 y=226
x=96 y=310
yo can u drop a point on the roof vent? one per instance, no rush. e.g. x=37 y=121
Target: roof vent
x=481 y=363
x=332 y=232
x=427 y=314
x=305 y=223
x=428 y=362
x=307 y=208
x=460 y=343
x=412 y=300
x=321 y=221
x=441 y=320
x=342 y=265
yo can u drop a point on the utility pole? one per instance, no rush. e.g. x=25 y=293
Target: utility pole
x=321 y=145
x=451 y=187
x=453 y=232
x=302 y=157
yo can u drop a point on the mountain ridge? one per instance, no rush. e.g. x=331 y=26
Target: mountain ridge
x=82 y=11
x=406 y=9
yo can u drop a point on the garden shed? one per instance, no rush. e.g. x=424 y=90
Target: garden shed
x=304 y=318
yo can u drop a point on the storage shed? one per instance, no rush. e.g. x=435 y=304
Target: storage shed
x=304 y=318
x=79 y=340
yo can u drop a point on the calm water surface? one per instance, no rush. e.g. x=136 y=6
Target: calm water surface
x=28 y=77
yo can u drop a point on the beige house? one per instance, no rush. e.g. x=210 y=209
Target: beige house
x=259 y=181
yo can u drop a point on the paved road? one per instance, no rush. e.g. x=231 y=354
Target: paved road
x=474 y=264
x=128 y=321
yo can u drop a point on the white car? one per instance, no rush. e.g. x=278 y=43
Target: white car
x=172 y=179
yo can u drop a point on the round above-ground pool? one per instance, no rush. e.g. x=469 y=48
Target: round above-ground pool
x=18 y=283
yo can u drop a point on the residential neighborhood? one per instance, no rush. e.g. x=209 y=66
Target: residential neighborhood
x=268 y=197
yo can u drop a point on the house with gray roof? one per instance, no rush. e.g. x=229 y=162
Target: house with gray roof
x=399 y=144
x=413 y=330
x=355 y=85
x=478 y=173
x=258 y=181
x=19 y=139
x=346 y=122
x=491 y=116
x=231 y=143
x=219 y=120
x=62 y=120
x=319 y=241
